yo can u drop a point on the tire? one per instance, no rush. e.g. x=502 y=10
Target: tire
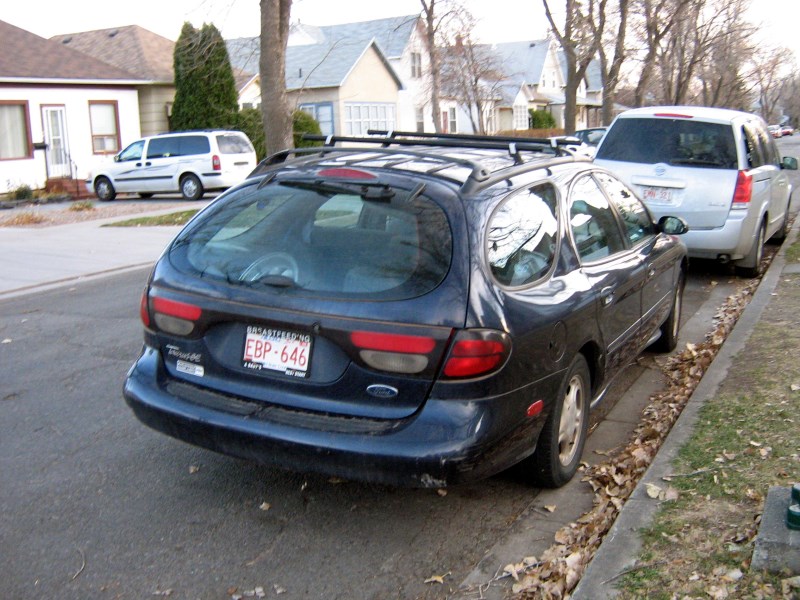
x=191 y=188
x=560 y=445
x=670 y=328
x=104 y=189
x=145 y=195
x=750 y=265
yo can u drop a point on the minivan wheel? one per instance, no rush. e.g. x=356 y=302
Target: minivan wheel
x=191 y=188
x=104 y=189
x=670 y=328
x=560 y=445
x=750 y=265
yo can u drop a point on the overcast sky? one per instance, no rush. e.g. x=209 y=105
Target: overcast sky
x=499 y=20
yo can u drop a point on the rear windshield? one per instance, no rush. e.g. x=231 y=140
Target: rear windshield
x=320 y=238
x=234 y=143
x=671 y=141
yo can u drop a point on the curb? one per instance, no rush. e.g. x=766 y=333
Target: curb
x=621 y=547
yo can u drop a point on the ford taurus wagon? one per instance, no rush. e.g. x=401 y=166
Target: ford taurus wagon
x=411 y=310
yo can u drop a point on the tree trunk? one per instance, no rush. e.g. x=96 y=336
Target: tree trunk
x=428 y=9
x=275 y=110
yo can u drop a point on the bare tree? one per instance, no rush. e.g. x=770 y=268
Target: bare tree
x=611 y=66
x=769 y=81
x=471 y=74
x=438 y=16
x=657 y=18
x=580 y=39
x=275 y=109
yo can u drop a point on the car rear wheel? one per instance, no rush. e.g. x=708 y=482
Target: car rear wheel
x=560 y=444
x=750 y=265
x=104 y=189
x=670 y=328
x=191 y=188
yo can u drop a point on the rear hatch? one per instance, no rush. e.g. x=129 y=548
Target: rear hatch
x=237 y=155
x=679 y=166
x=333 y=292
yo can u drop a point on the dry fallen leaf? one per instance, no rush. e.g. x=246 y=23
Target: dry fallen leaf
x=6 y=341
x=278 y=589
x=795 y=387
x=193 y=469
x=437 y=578
x=653 y=491
x=265 y=506
x=442 y=492
x=550 y=507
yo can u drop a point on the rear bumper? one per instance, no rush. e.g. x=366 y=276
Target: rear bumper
x=734 y=239
x=445 y=442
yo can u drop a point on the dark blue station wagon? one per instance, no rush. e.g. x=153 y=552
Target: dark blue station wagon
x=416 y=310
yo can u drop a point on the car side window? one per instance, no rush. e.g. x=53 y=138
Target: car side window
x=594 y=226
x=637 y=221
x=756 y=152
x=132 y=152
x=163 y=147
x=194 y=144
x=521 y=237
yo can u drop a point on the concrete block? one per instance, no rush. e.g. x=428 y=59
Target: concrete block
x=777 y=547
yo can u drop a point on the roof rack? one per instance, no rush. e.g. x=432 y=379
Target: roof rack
x=480 y=176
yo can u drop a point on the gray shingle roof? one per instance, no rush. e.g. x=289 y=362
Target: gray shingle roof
x=132 y=48
x=338 y=48
x=25 y=55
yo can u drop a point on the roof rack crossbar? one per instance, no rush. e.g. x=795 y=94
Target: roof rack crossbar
x=548 y=142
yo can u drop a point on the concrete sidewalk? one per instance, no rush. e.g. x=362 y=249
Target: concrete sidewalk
x=44 y=257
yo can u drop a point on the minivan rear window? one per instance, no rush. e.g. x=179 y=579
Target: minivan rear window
x=231 y=143
x=320 y=238
x=681 y=142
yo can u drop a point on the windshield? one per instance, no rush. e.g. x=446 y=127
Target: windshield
x=321 y=237
x=671 y=141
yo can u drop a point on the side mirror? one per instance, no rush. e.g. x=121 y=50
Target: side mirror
x=789 y=163
x=672 y=225
x=116 y=158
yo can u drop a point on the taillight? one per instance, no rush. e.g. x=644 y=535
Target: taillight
x=744 y=190
x=215 y=163
x=175 y=317
x=477 y=352
x=144 y=309
x=393 y=352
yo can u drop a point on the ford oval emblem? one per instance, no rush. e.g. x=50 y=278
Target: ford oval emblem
x=382 y=391
x=661 y=169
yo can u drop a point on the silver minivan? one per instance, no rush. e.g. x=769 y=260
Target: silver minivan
x=190 y=163
x=718 y=169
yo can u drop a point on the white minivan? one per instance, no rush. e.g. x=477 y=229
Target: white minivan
x=718 y=169
x=189 y=163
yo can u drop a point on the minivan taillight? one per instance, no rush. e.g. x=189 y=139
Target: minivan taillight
x=175 y=317
x=393 y=352
x=477 y=352
x=215 y=163
x=744 y=190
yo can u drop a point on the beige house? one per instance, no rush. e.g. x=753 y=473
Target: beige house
x=346 y=83
x=144 y=54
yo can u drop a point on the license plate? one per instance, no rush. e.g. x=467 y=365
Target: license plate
x=278 y=350
x=658 y=195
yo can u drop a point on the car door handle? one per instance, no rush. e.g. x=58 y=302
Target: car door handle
x=607 y=295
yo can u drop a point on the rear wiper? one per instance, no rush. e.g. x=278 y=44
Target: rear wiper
x=279 y=281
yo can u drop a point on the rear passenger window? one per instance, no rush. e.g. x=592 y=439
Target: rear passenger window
x=635 y=218
x=593 y=223
x=163 y=147
x=522 y=235
x=194 y=144
x=230 y=143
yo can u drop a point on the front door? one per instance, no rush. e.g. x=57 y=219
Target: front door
x=55 y=135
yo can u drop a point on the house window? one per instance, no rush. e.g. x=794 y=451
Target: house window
x=14 y=123
x=420 y=117
x=322 y=113
x=521 y=116
x=105 y=127
x=416 y=65
x=453 y=125
x=360 y=117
